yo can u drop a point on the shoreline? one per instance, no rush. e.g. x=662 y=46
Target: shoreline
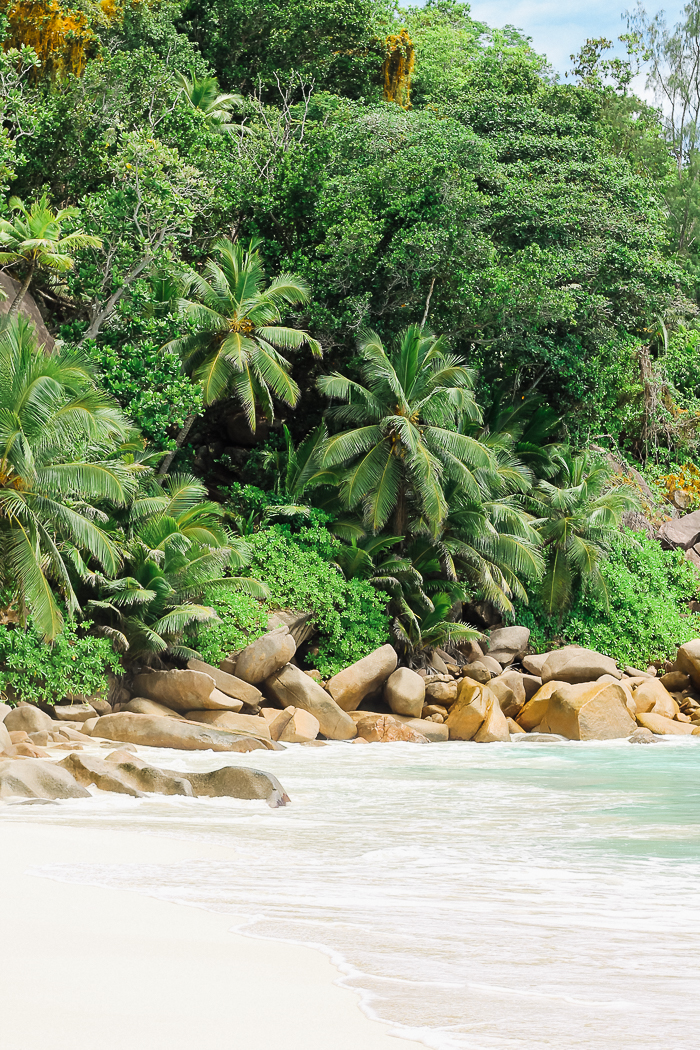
x=100 y=966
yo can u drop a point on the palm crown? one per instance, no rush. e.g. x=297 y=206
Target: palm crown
x=403 y=445
x=33 y=240
x=55 y=473
x=237 y=338
x=577 y=512
x=202 y=93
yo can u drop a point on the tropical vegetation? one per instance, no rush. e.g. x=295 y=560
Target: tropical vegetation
x=358 y=309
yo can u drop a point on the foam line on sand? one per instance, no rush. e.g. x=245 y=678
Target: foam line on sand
x=93 y=968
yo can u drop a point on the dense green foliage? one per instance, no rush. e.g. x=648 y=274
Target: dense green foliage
x=75 y=665
x=641 y=616
x=498 y=276
x=299 y=573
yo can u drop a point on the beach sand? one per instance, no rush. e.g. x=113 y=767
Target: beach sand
x=91 y=968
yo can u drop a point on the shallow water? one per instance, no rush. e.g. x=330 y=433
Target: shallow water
x=525 y=895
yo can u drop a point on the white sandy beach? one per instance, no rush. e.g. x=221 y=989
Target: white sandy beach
x=89 y=968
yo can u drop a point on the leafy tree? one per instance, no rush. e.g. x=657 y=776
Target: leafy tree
x=578 y=515
x=33 y=240
x=57 y=470
x=402 y=446
x=237 y=335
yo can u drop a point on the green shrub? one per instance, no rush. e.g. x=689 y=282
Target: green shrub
x=646 y=617
x=32 y=670
x=298 y=570
x=242 y=619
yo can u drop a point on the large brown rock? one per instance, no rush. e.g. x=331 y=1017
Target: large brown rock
x=265 y=656
x=509 y=688
x=434 y=732
x=386 y=729
x=28 y=719
x=663 y=726
x=73 y=712
x=244 y=725
x=652 y=696
x=534 y=662
x=35 y=778
x=290 y=687
x=229 y=684
x=300 y=728
x=536 y=708
x=575 y=665
x=4 y=711
x=507 y=644
x=468 y=712
x=494 y=728
x=140 y=706
x=179 y=690
x=236 y=782
x=688 y=659
x=156 y=731
x=681 y=532
x=589 y=711
x=441 y=692
x=131 y=776
x=350 y=686
x=404 y=692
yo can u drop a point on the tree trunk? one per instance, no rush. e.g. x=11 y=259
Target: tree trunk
x=17 y=301
x=400 y=513
x=179 y=442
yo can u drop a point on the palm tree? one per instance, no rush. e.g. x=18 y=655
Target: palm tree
x=402 y=446
x=237 y=335
x=578 y=514
x=57 y=469
x=177 y=547
x=33 y=240
x=202 y=93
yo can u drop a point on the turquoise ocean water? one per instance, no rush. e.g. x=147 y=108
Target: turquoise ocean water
x=480 y=897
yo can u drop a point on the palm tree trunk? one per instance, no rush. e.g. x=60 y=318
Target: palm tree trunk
x=400 y=513
x=179 y=442
x=23 y=288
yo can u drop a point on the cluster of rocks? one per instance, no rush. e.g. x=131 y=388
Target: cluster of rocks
x=260 y=699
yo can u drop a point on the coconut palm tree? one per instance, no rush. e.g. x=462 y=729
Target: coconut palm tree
x=176 y=547
x=402 y=446
x=57 y=470
x=202 y=93
x=33 y=240
x=237 y=336
x=578 y=514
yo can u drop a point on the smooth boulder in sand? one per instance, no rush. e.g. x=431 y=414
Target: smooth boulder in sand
x=244 y=725
x=290 y=687
x=351 y=685
x=507 y=644
x=229 y=683
x=651 y=695
x=441 y=692
x=28 y=720
x=129 y=777
x=589 y=711
x=509 y=688
x=434 y=732
x=35 y=778
x=575 y=665
x=156 y=731
x=494 y=729
x=73 y=712
x=5 y=738
x=663 y=726
x=236 y=782
x=404 y=692
x=469 y=711
x=266 y=655
x=140 y=706
x=385 y=729
x=300 y=728
x=688 y=660
x=179 y=690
